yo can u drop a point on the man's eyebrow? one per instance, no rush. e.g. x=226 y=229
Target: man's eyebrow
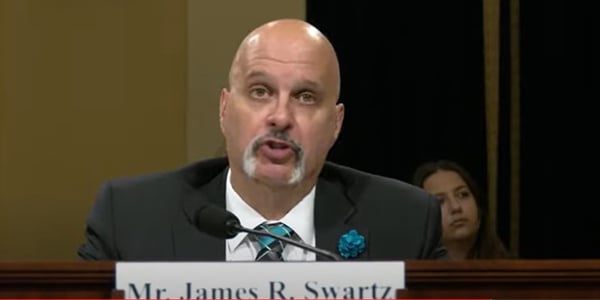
x=257 y=74
x=308 y=84
x=300 y=85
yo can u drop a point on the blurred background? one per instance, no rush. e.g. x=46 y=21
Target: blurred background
x=97 y=89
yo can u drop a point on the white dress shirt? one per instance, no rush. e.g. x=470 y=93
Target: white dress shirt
x=300 y=219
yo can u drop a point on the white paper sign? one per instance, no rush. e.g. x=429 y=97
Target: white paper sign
x=264 y=280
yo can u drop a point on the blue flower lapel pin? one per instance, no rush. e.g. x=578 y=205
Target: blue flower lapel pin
x=351 y=244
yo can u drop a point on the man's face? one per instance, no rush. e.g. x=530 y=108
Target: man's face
x=280 y=116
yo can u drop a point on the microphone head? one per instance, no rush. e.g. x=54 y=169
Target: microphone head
x=216 y=221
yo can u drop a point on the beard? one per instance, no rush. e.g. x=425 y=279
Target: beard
x=250 y=161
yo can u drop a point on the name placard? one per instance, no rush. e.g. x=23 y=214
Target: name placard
x=264 y=280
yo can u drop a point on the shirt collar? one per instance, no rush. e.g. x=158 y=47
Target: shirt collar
x=300 y=218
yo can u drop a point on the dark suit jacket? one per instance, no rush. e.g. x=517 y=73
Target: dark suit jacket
x=149 y=218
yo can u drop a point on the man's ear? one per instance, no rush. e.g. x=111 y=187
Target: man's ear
x=223 y=101
x=339 y=119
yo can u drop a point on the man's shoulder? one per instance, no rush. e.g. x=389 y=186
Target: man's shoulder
x=366 y=183
x=193 y=174
x=354 y=176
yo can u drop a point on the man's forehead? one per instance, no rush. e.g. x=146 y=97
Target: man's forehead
x=254 y=66
x=284 y=47
x=284 y=54
x=262 y=74
x=306 y=60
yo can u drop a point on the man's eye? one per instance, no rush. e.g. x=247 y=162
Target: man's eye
x=259 y=92
x=307 y=98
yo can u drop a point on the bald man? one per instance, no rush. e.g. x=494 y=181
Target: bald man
x=280 y=116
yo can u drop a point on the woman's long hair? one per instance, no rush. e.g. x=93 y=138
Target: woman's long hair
x=487 y=245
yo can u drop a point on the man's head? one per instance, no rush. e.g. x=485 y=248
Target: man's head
x=280 y=114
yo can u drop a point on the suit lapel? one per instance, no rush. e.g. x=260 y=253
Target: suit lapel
x=335 y=215
x=189 y=242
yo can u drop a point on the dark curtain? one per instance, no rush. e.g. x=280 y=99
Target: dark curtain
x=413 y=86
x=411 y=82
x=560 y=211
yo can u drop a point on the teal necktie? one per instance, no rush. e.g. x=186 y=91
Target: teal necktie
x=270 y=248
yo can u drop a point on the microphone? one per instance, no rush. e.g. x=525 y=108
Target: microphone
x=223 y=224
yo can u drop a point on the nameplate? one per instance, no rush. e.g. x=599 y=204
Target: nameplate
x=264 y=280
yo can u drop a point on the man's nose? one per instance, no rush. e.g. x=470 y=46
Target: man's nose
x=281 y=115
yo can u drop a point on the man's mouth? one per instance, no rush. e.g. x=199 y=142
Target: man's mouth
x=275 y=144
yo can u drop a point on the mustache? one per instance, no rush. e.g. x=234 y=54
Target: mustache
x=279 y=135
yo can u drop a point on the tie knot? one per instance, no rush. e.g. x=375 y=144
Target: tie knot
x=276 y=228
x=270 y=248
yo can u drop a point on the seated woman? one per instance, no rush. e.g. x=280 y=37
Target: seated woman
x=466 y=233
